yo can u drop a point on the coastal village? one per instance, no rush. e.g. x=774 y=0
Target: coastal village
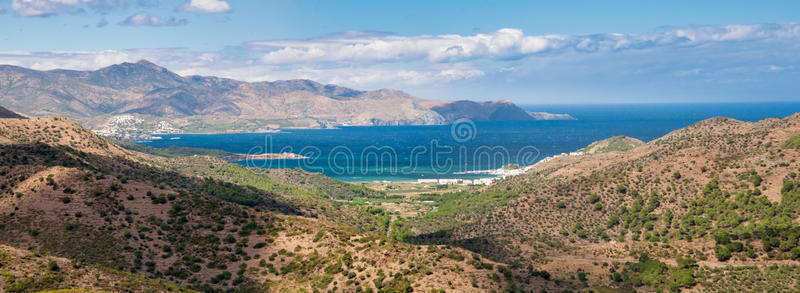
x=130 y=128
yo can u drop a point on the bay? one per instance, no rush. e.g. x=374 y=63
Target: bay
x=408 y=153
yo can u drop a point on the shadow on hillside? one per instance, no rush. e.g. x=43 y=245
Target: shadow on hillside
x=42 y=156
x=493 y=248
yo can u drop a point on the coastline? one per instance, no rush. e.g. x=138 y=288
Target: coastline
x=266 y=156
x=549 y=117
x=224 y=132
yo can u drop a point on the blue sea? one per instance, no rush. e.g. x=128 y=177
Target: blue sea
x=408 y=153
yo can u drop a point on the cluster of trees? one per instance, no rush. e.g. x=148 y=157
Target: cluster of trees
x=230 y=192
x=656 y=274
x=737 y=220
x=640 y=218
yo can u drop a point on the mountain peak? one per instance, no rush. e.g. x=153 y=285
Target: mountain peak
x=142 y=76
x=504 y=101
x=142 y=64
x=151 y=65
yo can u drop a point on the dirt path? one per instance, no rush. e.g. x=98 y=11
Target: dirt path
x=712 y=264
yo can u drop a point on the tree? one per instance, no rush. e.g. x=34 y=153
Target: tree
x=722 y=253
x=722 y=238
x=685 y=263
x=52 y=265
x=796 y=253
x=756 y=179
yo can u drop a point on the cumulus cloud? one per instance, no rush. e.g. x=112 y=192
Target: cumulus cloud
x=401 y=77
x=43 y=8
x=145 y=19
x=504 y=44
x=205 y=6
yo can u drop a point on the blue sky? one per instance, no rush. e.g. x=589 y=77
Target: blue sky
x=533 y=52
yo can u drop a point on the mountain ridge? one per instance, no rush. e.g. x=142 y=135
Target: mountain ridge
x=212 y=104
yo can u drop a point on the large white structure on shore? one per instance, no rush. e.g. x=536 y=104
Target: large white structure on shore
x=450 y=181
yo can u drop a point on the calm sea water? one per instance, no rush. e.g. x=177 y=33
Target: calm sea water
x=406 y=153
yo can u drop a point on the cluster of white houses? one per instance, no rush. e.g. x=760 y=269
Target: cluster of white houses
x=479 y=181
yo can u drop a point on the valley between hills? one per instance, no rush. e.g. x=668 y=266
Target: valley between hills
x=711 y=207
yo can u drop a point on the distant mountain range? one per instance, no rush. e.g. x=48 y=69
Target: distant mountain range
x=150 y=94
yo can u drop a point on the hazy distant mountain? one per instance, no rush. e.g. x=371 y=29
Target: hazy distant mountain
x=204 y=104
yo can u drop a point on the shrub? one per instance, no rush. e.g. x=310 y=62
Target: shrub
x=722 y=253
x=52 y=265
x=756 y=180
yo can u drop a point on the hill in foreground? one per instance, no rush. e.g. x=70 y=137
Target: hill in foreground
x=709 y=207
x=83 y=200
x=25 y=271
x=699 y=201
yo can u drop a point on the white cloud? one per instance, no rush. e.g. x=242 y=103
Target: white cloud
x=378 y=77
x=687 y=59
x=205 y=6
x=777 y=68
x=500 y=45
x=84 y=60
x=42 y=8
x=690 y=72
x=504 y=43
x=145 y=19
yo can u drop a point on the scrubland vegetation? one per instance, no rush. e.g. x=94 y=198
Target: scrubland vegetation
x=712 y=207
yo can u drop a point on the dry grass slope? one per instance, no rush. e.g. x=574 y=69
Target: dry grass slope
x=68 y=193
